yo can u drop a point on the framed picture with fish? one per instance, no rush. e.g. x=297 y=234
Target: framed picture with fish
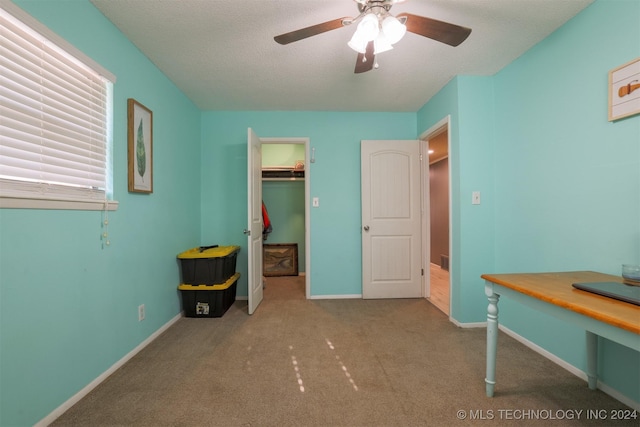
x=280 y=259
x=140 y=148
x=624 y=90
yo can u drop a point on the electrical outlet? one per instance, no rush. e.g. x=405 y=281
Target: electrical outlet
x=141 y=313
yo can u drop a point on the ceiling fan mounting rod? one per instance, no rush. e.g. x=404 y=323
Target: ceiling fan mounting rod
x=381 y=3
x=380 y=8
x=377 y=7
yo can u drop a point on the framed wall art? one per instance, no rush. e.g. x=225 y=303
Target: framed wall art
x=624 y=90
x=140 y=148
x=280 y=259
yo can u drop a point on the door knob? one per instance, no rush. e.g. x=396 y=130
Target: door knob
x=366 y=228
x=247 y=232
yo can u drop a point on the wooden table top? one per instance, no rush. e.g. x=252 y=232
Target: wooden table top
x=555 y=288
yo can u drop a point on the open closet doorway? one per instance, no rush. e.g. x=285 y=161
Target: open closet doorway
x=436 y=143
x=285 y=194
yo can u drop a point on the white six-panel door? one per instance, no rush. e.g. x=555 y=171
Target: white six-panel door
x=254 y=220
x=391 y=221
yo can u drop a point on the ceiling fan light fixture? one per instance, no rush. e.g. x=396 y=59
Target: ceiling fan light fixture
x=393 y=29
x=369 y=27
x=357 y=43
x=377 y=31
x=381 y=44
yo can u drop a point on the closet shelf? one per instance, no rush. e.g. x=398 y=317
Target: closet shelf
x=282 y=174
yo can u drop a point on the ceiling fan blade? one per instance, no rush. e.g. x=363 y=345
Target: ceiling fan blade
x=441 y=31
x=313 y=30
x=365 y=61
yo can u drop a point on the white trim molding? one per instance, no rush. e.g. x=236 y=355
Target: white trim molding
x=558 y=361
x=96 y=382
x=78 y=205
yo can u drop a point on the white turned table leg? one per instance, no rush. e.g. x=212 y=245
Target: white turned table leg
x=492 y=337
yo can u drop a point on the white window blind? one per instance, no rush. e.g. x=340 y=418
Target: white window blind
x=54 y=118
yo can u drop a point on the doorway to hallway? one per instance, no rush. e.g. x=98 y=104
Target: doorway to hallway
x=438 y=218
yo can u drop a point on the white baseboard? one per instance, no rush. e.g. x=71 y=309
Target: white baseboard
x=468 y=325
x=535 y=347
x=619 y=396
x=569 y=367
x=353 y=296
x=93 y=384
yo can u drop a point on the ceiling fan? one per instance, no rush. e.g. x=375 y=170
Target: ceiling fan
x=378 y=30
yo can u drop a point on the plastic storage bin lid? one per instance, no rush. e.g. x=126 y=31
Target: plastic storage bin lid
x=217 y=252
x=218 y=287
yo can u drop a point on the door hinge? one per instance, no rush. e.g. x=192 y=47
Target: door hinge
x=422 y=271
x=420 y=156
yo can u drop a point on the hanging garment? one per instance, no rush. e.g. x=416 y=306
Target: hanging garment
x=266 y=222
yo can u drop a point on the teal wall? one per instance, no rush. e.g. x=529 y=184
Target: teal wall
x=567 y=181
x=468 y=102
x=335 y=179
x=68 y=305
x=560 y=190
x=560 y=184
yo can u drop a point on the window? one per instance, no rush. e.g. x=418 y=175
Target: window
x=55 y=119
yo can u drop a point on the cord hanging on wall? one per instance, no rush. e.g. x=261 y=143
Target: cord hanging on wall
x=105 y=225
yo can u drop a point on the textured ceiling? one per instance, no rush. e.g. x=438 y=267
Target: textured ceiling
x=222 y=55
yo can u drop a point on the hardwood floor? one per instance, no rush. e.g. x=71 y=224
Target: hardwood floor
x=439 y=288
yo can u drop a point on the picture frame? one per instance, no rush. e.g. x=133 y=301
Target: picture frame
x=279 y=259
x=140 y=147
x=624 y=90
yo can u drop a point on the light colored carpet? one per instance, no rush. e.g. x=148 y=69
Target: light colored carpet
x=299 y=362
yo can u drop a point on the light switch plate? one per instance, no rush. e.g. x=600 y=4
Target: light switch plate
x=475 y=198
